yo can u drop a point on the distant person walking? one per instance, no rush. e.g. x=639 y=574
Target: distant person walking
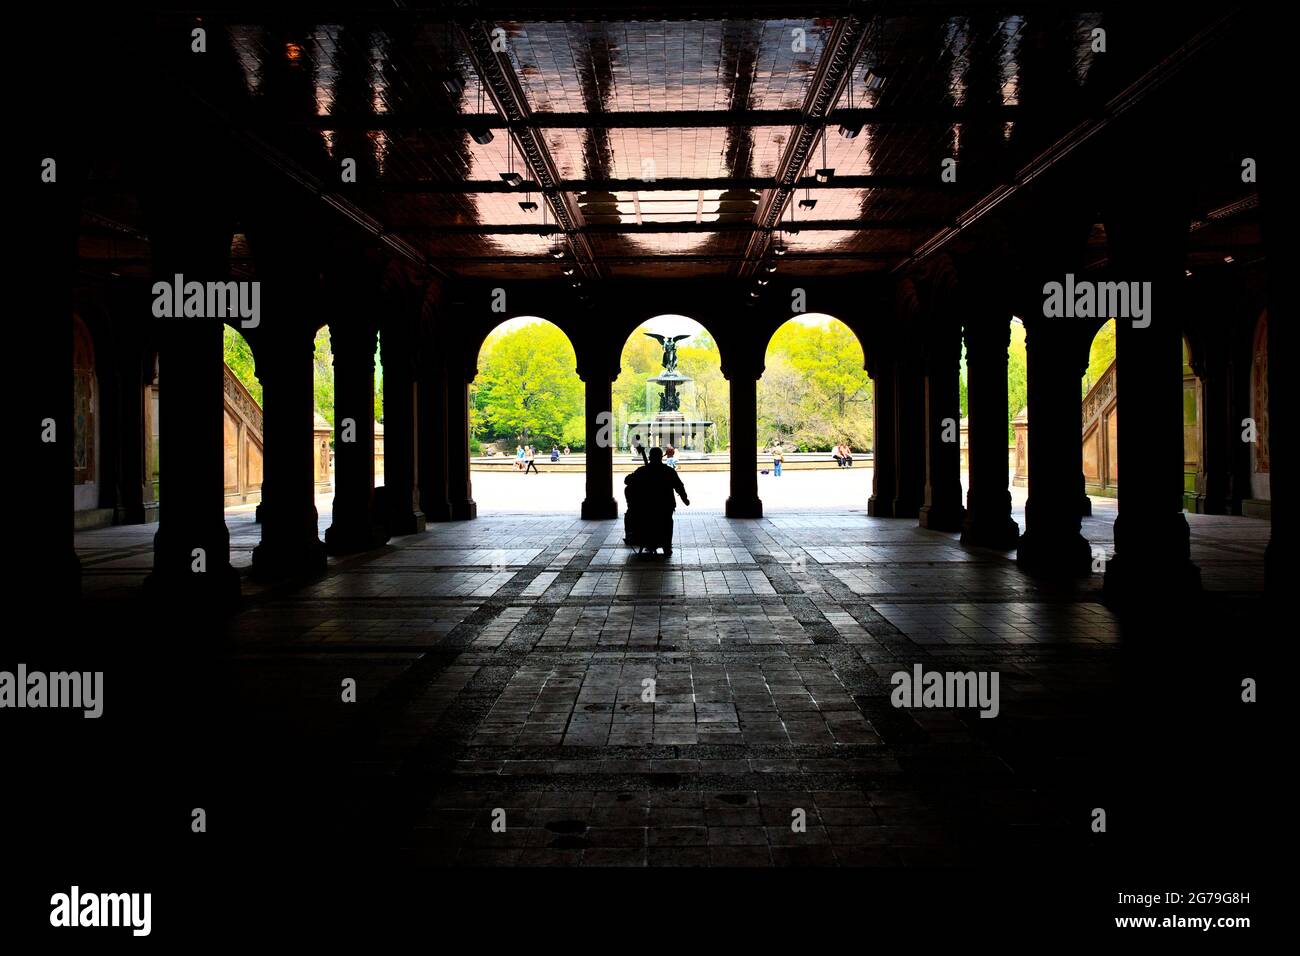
x=530 y=457
x=670 y=458
x=639 y=450
x=519 y=458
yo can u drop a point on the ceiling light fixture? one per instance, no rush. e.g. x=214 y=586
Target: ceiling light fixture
x=763 y=280
x=850 y=131
x=480 y=133
x=769 y=267
x=874 y=80
x=826 y=173
x=1227 y=258
x=567 y=269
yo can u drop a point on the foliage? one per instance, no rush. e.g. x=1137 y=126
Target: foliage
x=322 y=376
x=815 y=392
x=1017 y=377
x=527 y=389
x=239 y=356
x=1100 y=355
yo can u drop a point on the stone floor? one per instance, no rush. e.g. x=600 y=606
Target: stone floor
x=501 y=667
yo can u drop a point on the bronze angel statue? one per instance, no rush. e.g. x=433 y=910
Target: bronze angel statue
x=669 y=342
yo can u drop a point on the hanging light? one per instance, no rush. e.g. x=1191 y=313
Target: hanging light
x=826 y=173
x=510 y=177
x=567 y=268
x=850 y=131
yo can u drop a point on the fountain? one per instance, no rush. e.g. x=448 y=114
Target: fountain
x=670 y=426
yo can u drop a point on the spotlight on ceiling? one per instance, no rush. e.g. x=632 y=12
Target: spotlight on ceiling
x=793 y=229
x=1227 y=258
x=1187 y=272
x=763 y=280
x=779 y=249
x=770 y=267
x=807 y=203
x=528 y=205
x=453 y=84
x=511 y=178
x=557 y=252
x=480 y=134
x=851 y=132
x=825 y=175
x=567 y=269
x=874 y=80
x=754 y=294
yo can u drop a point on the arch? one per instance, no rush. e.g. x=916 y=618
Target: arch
x=1100 y=414
x=699 y=424
x=815 y=359
x=1260 y=487
x=527 y=392
x=85 y=417
x=243 y=448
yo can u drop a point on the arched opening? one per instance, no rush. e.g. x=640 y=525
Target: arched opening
x=671 y=394
x=85 y=426
x=242 y=424
x=815 y=417
x=1100 y=414
x=1192 y=428
x=526 y=420
x=1258 y=504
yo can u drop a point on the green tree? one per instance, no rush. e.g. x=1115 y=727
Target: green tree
x=1017 y=377
x=323 y=376
x=1100 y=355
x=239 y=357
x=815 y=391
x=527 y=389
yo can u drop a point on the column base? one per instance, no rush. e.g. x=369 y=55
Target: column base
x=466 y=510
x=278 y=561
x=878 y=507
x=744 y=507
x=350 y=537
x=941 y=518
x=906 y=508
x=599 y=509
x=1055 y=555
x=437 y=511
x=1152 y=563
x=1000 y=534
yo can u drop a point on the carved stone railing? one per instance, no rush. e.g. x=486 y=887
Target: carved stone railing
x=1100 y=423
x=243 y=442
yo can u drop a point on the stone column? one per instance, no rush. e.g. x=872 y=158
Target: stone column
x=1147 y=236
x=1057 y=358
x=191 y=548
x=291 y=547
x=988 y=521
x=743 y=501
x=402 y=514
x=460 y=486
x=354 y=525
x=909 y=432
x=599 y=504
x=434 y=499
x=943 y=510
x=883 y=449
x=41 y=466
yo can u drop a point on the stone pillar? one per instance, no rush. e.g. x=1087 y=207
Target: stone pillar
x=460 y=486
x=599 y=504
x=743 y=501
x=402 y=514
x=1057 y=358
x=434 y=499
x=884 y=429
x=1147 y=237
x=291 y=547
x=943 y=510
x=988 y=521
x=909 y=432
x=354 y=525
x=41 y=487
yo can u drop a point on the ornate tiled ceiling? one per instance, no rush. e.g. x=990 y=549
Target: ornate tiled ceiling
x=673 y=146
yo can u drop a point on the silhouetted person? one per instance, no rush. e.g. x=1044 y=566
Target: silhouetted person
x=650 y=503
x=639 y=449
